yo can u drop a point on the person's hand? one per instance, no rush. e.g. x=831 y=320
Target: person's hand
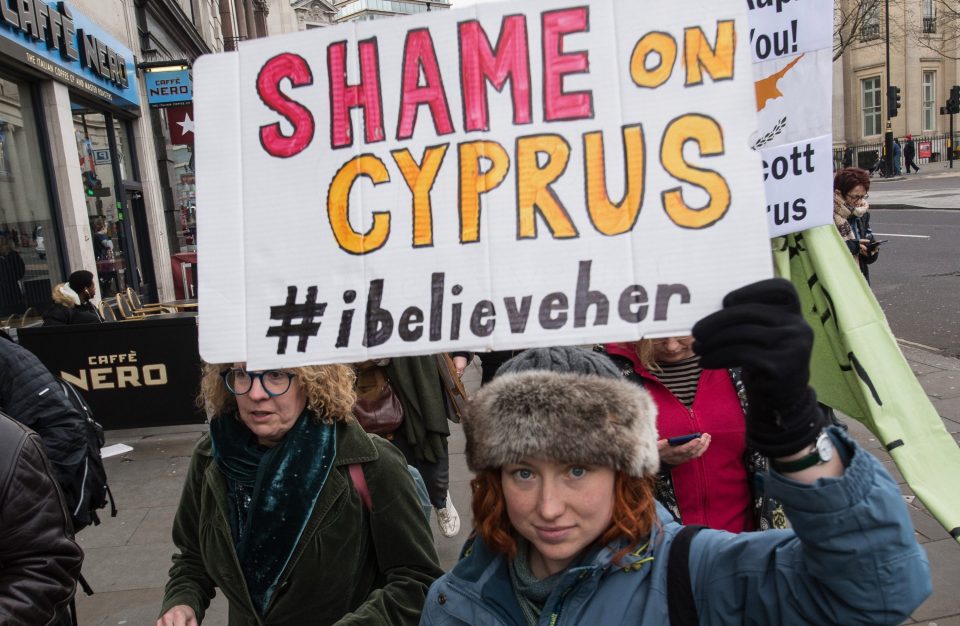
x=863 y=247
x=180 y=615
x=675 y=455
x=762 y=330
x=460 y=362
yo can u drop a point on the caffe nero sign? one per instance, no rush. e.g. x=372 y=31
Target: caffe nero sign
x=67 y=45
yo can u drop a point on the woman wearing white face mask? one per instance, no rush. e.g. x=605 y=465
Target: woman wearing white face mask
x=568 y=531
x=851 y=216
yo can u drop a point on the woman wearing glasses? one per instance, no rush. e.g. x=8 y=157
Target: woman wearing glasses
x=850 y=187
x=296 y=514
x=706 y=470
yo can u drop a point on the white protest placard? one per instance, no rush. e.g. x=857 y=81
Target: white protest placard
x=500 y=176
x=792 y=46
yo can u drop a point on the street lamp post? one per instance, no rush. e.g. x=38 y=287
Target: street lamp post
x=888 y=134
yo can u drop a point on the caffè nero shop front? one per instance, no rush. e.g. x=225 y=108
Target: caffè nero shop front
x=80 y=185
x=95 y=176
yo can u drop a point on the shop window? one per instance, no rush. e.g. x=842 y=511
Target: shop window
x=180 y=174
x=29 y=244
x=105 y=169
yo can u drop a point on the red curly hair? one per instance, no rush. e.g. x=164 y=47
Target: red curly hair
x=849 y=177
x=634 y=513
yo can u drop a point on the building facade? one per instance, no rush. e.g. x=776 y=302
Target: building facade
x=96 y=170
x=923 y=64
x=320 y=13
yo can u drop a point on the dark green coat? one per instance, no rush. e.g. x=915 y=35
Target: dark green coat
x=350 y=567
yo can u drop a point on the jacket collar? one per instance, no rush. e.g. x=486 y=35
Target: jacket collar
x=482 y=573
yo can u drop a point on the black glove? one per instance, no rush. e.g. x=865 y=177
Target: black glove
x=762 y=330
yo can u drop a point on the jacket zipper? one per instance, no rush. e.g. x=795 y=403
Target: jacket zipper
x=555 y=616
x=695 y=424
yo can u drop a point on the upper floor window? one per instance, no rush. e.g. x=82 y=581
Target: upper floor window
x=870 y=26
x=929 y=17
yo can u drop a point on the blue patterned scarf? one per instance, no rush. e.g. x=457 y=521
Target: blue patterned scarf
x=271 y=493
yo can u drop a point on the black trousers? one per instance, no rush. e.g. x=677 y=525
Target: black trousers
x=910 y=163
x=435 y=475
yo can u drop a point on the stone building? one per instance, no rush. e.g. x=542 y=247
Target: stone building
x=923 y=64
x=319 y=13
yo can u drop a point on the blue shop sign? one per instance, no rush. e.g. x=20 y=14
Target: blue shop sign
x=64 y=43
x=168 y=88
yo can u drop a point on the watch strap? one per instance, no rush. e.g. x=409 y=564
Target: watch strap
x=796 y=465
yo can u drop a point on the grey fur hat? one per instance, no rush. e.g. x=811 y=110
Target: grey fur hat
x=562 y=415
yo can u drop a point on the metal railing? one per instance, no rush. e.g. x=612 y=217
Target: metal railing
x=866 y=155
x=869 y=31
x=929 y=25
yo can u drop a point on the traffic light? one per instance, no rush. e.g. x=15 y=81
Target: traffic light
x=893 y=100
x=93 y=186
x=953 y=103
x=90 y=184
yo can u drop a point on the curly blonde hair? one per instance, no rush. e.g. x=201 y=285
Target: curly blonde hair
x=329 y=390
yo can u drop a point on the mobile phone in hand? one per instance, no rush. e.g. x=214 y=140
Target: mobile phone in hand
x=876 y=244
x=682 y=439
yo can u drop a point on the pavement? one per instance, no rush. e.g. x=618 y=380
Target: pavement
x=935 y=186
x=127 y=557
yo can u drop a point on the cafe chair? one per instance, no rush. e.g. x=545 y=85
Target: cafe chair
x=106 y=312
x=140 y=307
x=126 y=310
x=30 y=316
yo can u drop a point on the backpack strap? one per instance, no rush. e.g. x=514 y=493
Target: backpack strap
x=680 y=602
x=360 y=484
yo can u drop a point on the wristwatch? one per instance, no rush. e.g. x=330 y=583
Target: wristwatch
x=821 y=452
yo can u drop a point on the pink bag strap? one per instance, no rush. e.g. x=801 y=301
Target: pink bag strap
x=360 y=484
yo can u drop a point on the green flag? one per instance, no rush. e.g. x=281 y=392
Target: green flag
x=858 y=369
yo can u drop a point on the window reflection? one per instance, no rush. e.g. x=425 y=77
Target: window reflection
x=29 y=250
x=99 y=187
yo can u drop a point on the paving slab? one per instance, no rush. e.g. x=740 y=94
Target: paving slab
x=944 y=384
x=944 y=558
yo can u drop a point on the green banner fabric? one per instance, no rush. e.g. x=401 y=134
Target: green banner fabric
x=857 y=367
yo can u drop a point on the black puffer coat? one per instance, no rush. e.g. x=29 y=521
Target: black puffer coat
x=39 y=560
x=60 y=315
x=31 y=395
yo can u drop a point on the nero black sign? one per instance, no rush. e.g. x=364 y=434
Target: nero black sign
x=66 y=44
x=133 y=374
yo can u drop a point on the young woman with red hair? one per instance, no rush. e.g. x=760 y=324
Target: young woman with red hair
x=567 y=530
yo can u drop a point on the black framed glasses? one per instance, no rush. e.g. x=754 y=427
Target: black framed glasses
x=240 y=381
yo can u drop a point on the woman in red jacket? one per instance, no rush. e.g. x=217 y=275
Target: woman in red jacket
x=707 y=480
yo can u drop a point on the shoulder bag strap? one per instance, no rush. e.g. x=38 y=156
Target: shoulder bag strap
x=360 y=484
x=680 y=602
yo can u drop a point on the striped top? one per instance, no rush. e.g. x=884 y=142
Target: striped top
x=681 y=378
